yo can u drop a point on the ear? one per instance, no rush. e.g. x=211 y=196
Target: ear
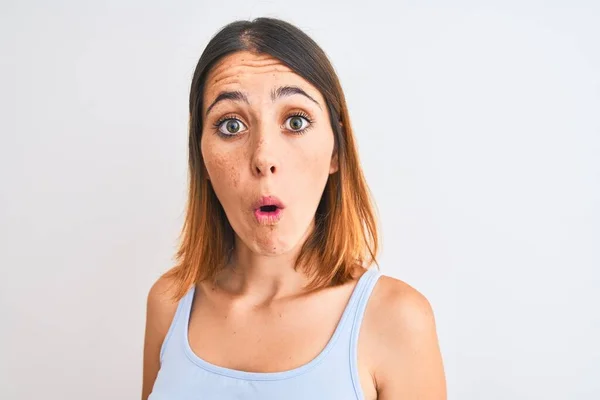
x=205 y=172
x=335 y=164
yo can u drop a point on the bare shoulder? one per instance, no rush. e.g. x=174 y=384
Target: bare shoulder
x=160 y=299
x=406 y=353
x=160 y=311
x=401 y=306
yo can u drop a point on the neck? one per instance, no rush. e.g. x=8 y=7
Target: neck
x=263 y=277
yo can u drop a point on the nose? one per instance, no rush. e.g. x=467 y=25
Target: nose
x=264 y=161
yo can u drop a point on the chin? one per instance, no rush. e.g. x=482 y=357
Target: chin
x=272 y=244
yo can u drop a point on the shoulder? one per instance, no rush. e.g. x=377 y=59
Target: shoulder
x=398 y=313
x=161 y=306
x=400 y=306
x=406 y=351
x=160 y=311
x=160 y=302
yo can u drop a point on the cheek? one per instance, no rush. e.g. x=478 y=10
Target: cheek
x=317 y=159
x=223 y=170
x=311 y=171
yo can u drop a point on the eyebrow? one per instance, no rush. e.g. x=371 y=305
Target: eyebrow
x=283 y=91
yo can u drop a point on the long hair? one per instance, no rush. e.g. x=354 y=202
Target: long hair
x=346 y=229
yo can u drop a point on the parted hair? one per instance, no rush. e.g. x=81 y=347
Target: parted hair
x=346 y=230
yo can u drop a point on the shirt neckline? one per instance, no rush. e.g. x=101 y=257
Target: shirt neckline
x=269 y=376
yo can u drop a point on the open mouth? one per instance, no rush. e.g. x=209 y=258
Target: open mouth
x=268 y=208
x=268 y=215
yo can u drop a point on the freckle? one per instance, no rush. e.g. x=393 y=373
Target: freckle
x=234 y=176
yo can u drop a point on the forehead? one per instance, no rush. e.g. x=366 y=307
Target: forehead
x=251 y=72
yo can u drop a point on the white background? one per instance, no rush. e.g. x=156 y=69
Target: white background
x=478 y=126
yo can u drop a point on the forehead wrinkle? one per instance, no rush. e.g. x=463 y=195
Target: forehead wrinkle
x=230 y=73
x=236 y=63
x=249 y=61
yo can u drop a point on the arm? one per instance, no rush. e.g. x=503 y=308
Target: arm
x=409 y=363
x=160 y=310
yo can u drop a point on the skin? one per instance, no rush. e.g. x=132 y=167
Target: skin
x=266 y=157
x=260 y=300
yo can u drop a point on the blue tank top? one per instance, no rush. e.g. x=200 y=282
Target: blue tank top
x=331 y=375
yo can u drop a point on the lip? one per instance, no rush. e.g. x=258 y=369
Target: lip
x=268 y=201
x=268 y=217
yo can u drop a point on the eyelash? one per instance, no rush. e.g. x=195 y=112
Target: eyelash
x=302 y=114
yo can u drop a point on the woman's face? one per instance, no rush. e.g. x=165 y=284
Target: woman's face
x=266 y=132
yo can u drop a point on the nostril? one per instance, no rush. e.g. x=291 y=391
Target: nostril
x=261 y=169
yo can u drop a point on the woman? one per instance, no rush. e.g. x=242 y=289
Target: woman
x=274 y=295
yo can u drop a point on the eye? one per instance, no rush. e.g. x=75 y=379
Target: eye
x=297 y=123
x=230 y=126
